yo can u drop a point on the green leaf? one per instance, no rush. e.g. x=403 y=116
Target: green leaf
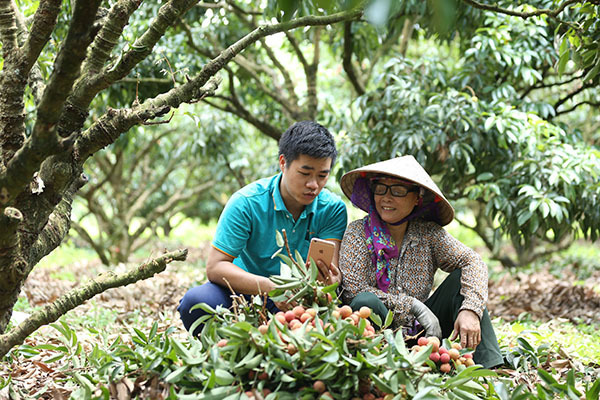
x=381 y=384
x=314 y=272
x=287 y=379
x=54 y=358
x=141 y=335
x=592 y=72
x=593 y=392
x=203 y=306
x=176 y=375
x=279 y=239
x=223 y=378
x=486 y=176
x=389 y=318
x=421 y=356
x=546 y=377
x=523 y=217
x=489 y=122
x=153 y=331
x=376 y=319
x=426 y=393
x=332 y=356
x=399 y=341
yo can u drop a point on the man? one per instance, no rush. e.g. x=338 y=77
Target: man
x=294 y=200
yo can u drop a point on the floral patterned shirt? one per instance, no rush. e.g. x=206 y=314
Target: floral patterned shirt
x=425 y=248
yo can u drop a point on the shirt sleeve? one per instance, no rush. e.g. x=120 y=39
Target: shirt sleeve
x=449 y=253
x=334 y=222
x=234 y=226
x=358 y=275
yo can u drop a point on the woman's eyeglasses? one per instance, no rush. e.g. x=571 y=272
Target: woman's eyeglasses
x=380 y=189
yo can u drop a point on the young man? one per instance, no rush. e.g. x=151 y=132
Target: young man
x=294 y=200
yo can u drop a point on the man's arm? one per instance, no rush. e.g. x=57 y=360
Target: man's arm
x=221 y=270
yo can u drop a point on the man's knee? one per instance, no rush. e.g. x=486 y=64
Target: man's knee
x=208 y=293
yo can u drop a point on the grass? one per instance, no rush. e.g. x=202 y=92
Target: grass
x=581 y=342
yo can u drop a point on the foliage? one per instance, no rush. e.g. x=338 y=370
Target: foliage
x=167 y=174
x=534 y=181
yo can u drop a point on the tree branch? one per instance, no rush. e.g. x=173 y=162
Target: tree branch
x=551 y=13
x=78 y=296
x=44 y=21
x=311 y=75
x=12 y=82
x=169 y=204
x=251 y=67
x=297 y=49
x=12 y=265
x=109 y=35
x=240 y=111
x=87 y=89
x=167 y=16
x=192 y=42
x=151 y=188
x=291 y=108
x=571 y=95
x=548 y=85
x=8 y=31
x=57 y=224
x=112 y=124
x=358 y=86
x=568 y=110
x=406 y=33
x=67 y=67
x=44 y=140
x=288 y=83
x=144 y=152
x=98 y=248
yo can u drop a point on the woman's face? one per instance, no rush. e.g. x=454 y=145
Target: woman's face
x=391 y=208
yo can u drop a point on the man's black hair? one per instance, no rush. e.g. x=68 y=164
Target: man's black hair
x=307 y=137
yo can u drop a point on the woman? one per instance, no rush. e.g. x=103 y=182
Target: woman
x=388 y=259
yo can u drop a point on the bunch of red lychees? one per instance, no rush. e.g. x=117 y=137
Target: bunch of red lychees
x=446 y=359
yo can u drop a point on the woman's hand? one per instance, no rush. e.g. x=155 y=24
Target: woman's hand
x=426 y=318
x=468 y=327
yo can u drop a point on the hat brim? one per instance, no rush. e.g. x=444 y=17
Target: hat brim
x=406 y=168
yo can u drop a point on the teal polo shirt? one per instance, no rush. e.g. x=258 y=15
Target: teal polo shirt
x=247 y=226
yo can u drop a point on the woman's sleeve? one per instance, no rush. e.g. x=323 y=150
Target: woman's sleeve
x=358 y=274
x=449 y=253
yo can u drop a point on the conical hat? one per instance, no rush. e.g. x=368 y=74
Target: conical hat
x=405 y=168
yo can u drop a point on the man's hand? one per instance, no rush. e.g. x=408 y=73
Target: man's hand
x=327 y=275
x=468 y=327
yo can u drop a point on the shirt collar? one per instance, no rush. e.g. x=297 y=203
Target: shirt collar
x=279 y=205
x=411 y=236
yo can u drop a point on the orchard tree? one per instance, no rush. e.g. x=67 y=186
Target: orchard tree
x=143 y=185
x=492 y=123
x=43 y=151
x=532 y=56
